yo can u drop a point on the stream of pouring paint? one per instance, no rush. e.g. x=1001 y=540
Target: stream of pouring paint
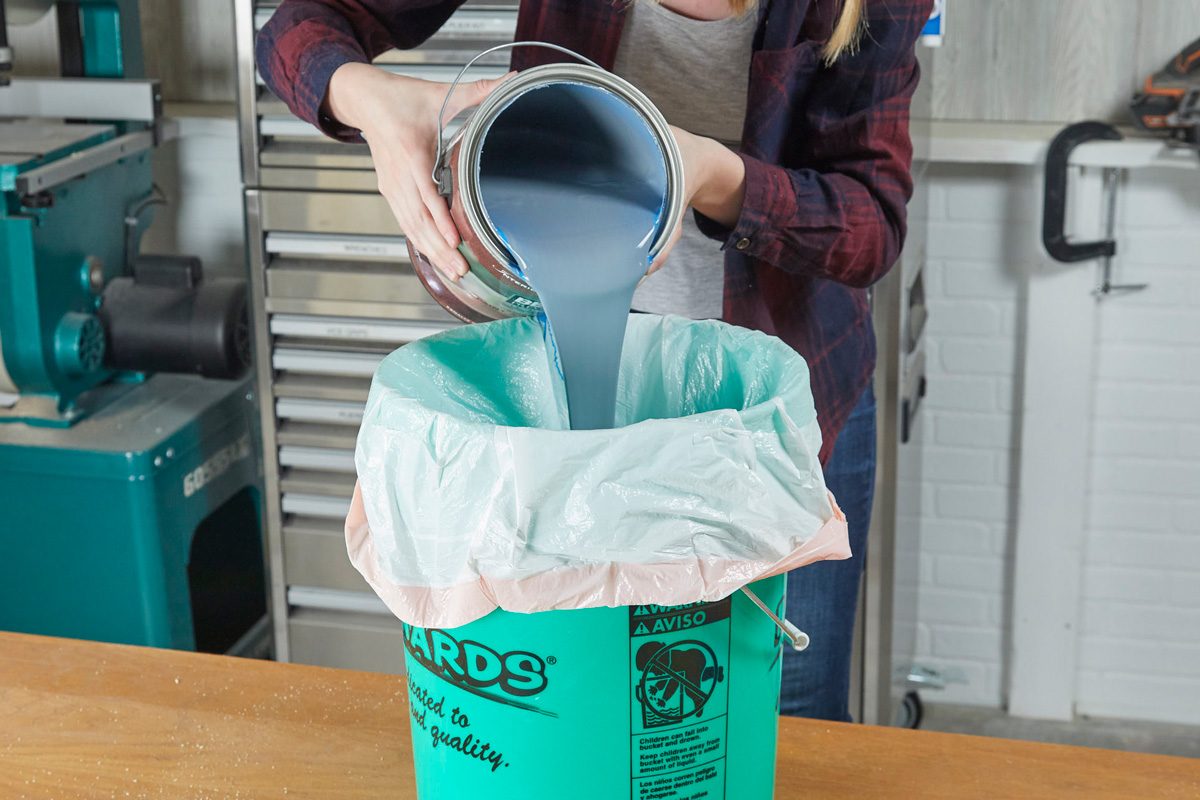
x=574 y=181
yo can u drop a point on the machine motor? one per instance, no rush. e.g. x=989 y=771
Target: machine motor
x=168 y=318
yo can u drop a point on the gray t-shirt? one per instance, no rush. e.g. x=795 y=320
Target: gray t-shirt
x=697 y=73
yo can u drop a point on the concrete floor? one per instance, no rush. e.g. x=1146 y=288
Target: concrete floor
x=1143 y=737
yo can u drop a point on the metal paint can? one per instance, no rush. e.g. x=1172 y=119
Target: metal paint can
x=494 y=288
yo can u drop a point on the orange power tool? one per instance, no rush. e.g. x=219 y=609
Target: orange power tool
x=1169 y=102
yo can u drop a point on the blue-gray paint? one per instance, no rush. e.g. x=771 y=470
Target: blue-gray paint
x=574 y=181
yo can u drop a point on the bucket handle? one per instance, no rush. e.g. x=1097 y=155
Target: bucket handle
x=797 y=637
x=437 y=158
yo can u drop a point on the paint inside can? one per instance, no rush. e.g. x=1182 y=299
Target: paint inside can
x=575 y=183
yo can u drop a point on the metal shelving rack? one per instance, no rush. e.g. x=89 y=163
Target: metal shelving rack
x=333 y=292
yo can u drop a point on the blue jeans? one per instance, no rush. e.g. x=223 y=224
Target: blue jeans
x=822 y=597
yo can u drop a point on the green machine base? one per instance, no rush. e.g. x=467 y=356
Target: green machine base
x=140 y=524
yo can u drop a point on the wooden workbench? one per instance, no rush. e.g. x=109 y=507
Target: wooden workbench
x=86 y=720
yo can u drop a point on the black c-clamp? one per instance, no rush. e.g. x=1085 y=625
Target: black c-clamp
x=1054 y=209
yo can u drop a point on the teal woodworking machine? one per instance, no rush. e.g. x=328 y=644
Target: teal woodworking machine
x=129 y=468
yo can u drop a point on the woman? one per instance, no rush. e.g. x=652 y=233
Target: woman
x=792 y=117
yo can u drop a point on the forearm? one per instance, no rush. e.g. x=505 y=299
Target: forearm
x=721 y=183
x=353 y=92
x=307 y=41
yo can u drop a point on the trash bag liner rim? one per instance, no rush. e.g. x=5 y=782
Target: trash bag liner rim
x=796 y=373
x=454 y=516
x=575 y=587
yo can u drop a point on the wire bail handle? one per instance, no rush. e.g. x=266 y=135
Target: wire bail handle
x=437 y=159
x=796 y=637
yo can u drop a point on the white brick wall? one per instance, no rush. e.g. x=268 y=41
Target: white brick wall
x=1140 y=638
x=1139 y=642
x=972 y=288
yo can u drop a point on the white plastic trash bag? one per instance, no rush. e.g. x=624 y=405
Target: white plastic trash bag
x=472 y=494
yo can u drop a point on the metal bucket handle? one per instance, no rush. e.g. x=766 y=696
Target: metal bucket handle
x=795 y=636
x=437 y=159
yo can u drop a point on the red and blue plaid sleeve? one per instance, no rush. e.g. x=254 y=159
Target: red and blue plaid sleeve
x=305 y=41
x=826 y=189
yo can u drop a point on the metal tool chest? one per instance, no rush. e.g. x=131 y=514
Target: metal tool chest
x=333 y=292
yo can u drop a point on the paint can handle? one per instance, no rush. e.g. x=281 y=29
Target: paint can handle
x=437 y=156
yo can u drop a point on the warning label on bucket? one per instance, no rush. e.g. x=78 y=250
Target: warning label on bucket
x=680 y=702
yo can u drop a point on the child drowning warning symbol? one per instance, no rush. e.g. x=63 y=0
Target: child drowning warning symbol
x=677 y=680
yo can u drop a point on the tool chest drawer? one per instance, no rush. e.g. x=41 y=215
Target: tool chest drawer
x=317 y=285
x=338 y=485
x=354 y=329
x=335 y=388
x=346 y=640
x=313 y=279
x=321 y=361
x=311 y=504
x=335 y=412
x=312 y=434
x=314 y=551
x=362 y=213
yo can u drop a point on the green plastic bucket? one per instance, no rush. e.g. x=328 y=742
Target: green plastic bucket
x=640 y=702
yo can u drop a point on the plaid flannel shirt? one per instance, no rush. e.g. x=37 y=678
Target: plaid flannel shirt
x=826 y=149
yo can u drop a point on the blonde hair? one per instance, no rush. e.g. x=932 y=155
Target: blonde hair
x=846 y=31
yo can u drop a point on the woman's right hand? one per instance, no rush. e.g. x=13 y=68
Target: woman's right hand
x=398 y=119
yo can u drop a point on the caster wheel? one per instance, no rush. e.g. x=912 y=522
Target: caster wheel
x=912 y=711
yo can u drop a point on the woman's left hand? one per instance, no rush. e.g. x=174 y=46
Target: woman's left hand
x=714 y=183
